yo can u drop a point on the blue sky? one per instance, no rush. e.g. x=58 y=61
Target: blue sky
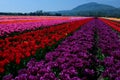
x=47 y=5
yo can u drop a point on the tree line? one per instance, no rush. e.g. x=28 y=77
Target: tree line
x=36 y=13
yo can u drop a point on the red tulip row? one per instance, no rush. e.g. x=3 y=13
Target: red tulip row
x=13 y=49
x=114 y=25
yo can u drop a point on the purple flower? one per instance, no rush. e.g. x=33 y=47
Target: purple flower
x=89 y=72
x=8 y=77
x=109 y=61
x=117 y=78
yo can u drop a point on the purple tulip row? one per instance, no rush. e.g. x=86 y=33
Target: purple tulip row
x=109 y=42
x=69 y=61
x=6 y=29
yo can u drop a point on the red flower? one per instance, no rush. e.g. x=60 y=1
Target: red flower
x=1 y=70
x=28 y=54
x=17 y=61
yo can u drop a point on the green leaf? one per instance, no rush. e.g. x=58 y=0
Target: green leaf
x=106 y=78
x=100 y=68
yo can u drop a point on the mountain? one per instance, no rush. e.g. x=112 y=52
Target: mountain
x=92 y=9
x=93 y=6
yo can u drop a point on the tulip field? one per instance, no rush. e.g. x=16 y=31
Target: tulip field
x=59 y=48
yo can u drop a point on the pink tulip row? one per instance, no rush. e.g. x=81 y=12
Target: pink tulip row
x=11 y=18
x=8 y=28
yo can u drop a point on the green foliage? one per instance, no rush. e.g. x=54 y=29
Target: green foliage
x=99 y=55
x=106 y=78
x=56 y=71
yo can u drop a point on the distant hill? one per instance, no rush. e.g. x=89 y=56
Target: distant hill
x=93 y=6
x=92 y=9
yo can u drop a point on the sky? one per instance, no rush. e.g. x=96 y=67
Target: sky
x=47 y=5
